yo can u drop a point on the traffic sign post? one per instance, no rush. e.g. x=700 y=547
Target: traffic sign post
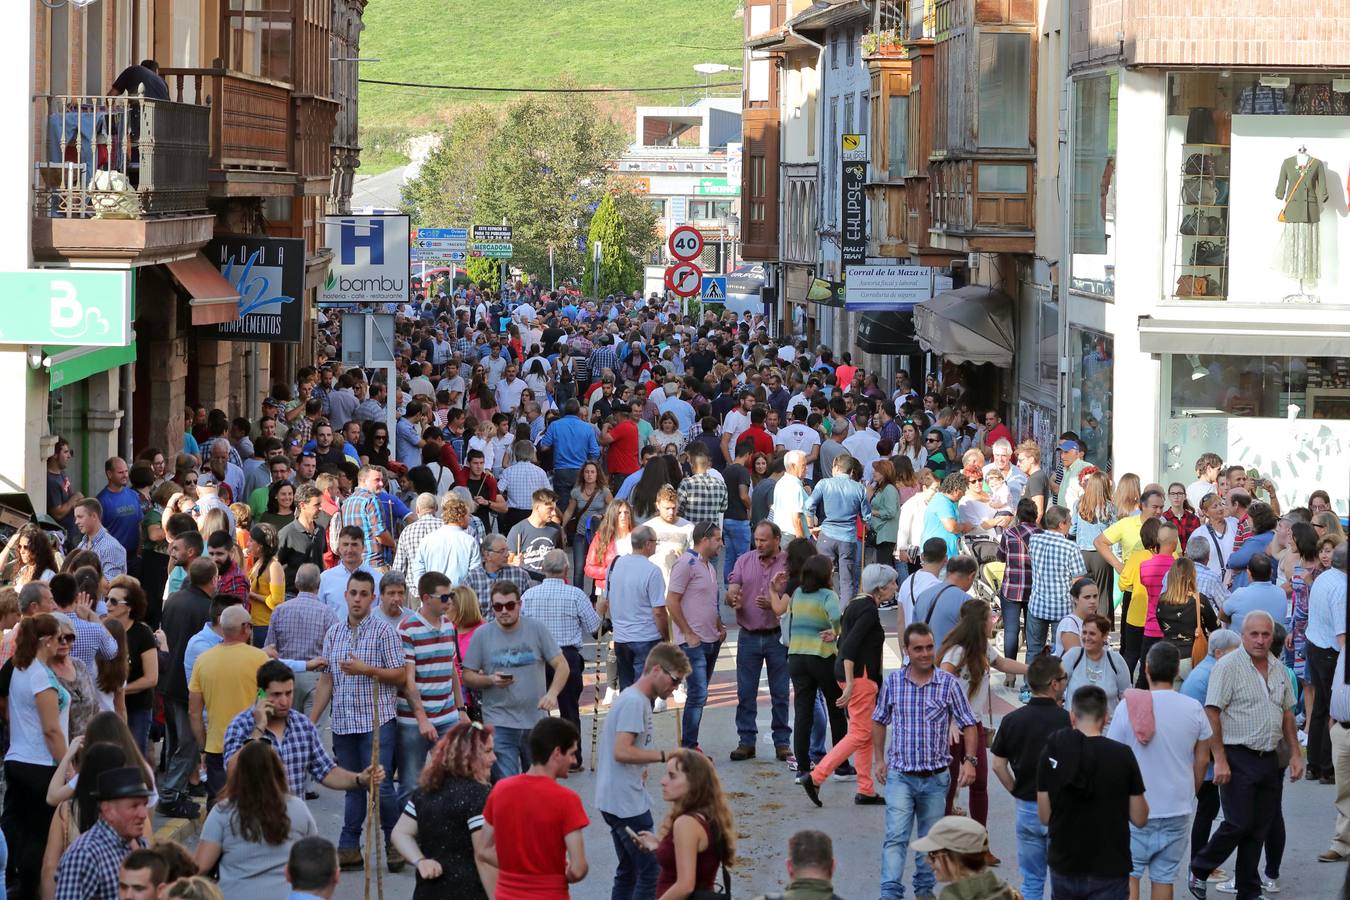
x=684 y=279
x=714 y=289
x=686 y=243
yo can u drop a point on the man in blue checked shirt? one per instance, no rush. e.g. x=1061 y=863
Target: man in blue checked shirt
x=917 y=702
x=836 y=503
x=275 y=720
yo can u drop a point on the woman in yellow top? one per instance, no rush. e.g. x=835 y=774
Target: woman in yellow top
x=266 y=579
x=1125 y=530
x=1134 y=612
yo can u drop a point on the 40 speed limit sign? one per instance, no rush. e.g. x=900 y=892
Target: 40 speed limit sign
x=685 y=279
x=686 y=243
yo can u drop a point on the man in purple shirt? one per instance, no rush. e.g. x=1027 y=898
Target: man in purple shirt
x=759 y=643
x=914 y=771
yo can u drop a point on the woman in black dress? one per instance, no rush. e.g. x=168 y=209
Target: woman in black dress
x=442 y=823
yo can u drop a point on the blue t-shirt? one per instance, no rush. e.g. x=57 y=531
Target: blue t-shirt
x=408 y=452
x=1259 y=595
x=939 y=508
x=122 y=516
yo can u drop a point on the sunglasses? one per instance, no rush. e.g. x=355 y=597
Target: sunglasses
x=444 y=597
x=931 y=440
x=65 y=638
x=118 y=601
x=508 y=606
x=675 y=680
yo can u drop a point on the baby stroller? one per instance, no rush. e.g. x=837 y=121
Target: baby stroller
x=988 y=571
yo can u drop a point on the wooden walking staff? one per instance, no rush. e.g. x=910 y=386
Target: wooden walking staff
x=374 y=849
x=595 y=703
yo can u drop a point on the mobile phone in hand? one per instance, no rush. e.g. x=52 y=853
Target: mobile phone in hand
x=632 y=835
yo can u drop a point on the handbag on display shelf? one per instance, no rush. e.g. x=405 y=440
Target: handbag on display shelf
x=1209 y=253
x=1193 y=286
x=1198 y=164
x=1198 y=223
x=1200 y=126
x=1199 y=191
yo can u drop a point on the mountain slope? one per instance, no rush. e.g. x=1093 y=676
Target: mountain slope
x=541 y=43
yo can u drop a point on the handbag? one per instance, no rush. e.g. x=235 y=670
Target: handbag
x=714 y=894
x=1209 y=253
x=1292 y=192
x=1200 y=127
x=1193 y=286
x=1200 y=646
x=1199 y=191
x=1198 y=223
x=1198 y=164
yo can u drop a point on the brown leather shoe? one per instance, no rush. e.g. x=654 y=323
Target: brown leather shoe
x=742 y=753
x=1331 y=856
x=783 y=752
x=350 y=859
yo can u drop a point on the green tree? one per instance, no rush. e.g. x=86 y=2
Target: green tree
x=482 y=270
x=445 y=192
x=618 y=272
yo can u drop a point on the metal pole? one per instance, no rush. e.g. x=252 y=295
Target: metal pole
x=552 y=286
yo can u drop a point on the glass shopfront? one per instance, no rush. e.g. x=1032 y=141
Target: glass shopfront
x=1256 y=195
x=1287 y=417
x=1091 y=365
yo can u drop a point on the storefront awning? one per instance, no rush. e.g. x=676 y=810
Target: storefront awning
x=1242 y=339
x=970 y=324
x=67 y=365
x=888 y=334
x=214 y=299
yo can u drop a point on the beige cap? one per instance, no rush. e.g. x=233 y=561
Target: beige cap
x=958 y=834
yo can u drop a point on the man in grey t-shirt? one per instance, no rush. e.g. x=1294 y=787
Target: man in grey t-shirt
x=939 y=607
x=505 y=662
x=621 y=774
x=635 y=601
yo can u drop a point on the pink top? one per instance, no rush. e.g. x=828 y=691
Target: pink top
x=1151 y=574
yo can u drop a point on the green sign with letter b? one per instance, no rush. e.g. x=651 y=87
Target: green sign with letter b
x=66 y=307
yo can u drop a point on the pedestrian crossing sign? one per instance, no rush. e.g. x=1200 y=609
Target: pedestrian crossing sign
x=714 y=289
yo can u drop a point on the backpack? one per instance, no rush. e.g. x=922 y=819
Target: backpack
x=1082 y=653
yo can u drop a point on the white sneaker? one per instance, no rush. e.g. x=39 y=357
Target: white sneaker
x=678 y=696
x=659 y=705
x=1230 y=886
x=610 y=694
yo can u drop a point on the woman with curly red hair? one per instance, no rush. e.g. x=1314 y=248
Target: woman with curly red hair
x=441 y=826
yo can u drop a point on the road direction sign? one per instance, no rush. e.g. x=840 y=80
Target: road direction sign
x=685 y=279
x=714 y=289
x=438 y=244
x=452 y=234
x=686 y=243
x=492 y=233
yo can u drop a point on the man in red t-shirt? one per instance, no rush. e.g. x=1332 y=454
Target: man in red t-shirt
x=763 y=440
x=621 y=443
x=995 y=430
x=533 y=834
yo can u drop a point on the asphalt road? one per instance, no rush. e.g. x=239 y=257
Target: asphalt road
x=769 y=807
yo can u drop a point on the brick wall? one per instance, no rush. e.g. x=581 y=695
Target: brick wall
x=1265 y=33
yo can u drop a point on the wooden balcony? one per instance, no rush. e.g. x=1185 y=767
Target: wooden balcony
x=252 y=151
x=315 y=121
x=982 y=204
x=119 y=179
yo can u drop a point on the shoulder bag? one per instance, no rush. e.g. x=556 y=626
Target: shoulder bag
x=1293 y=191
x=713 y=893
x=1200 y=646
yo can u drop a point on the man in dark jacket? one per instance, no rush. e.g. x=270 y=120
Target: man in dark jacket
x=185 y=612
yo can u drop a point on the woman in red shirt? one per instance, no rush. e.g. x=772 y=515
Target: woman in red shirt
x=1180 y=513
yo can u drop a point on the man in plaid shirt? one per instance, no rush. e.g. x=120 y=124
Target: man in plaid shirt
x=362 y=510
x=703 y=495
x=230 y=578
x=1016 y=586
x=918 y=702
x=569 y=616
x=89 y=867
x=1055 y=562
x=364 y=651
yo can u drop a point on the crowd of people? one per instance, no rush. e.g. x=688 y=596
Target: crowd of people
x=308 y=597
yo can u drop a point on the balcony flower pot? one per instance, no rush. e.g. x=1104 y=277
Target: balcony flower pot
x=884 y=44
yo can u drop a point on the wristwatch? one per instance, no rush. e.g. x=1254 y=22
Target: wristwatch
x=973 y=760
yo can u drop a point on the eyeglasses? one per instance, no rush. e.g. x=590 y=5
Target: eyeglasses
x=65 y=638
x=1176 y=493
x=674 y=679
x=508 y=606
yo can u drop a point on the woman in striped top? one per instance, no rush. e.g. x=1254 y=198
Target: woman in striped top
x=813 y=625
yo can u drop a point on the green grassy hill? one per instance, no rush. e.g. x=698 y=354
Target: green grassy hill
x=539 y=43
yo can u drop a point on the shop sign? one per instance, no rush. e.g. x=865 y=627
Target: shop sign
x=67 y=307
x=853 y=199
x=896 y=288
x=269 y=274
x=826 y=293
x=718 y=187
x=370 y=260
x=492 y=234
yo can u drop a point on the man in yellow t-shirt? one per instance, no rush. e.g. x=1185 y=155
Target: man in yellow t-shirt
x=1125 y=531
x=224 y=683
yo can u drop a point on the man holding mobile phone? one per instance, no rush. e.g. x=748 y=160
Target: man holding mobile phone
x=621 y=775
x=505 y=661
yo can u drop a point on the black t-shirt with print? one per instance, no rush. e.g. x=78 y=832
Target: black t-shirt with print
x=1090 y=781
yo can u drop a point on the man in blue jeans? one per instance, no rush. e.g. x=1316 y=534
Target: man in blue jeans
x=837 y=502
x=759 y=643
x=635 y=601
x=623 y=756
x=736 y=521
x=917 y=702
x=691 y=599
x=1019 y=742
x=364 y=651
x=431 y=703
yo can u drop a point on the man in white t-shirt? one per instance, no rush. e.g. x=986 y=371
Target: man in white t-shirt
x=800 y=436
x=1172 y=756
x=862 y=443
x=933 y=558
x=736 y=422
x=788 y=511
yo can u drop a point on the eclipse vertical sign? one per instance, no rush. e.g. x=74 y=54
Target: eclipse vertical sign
x=853 y=202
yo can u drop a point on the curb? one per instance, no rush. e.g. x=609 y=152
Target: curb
x=177 y=830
